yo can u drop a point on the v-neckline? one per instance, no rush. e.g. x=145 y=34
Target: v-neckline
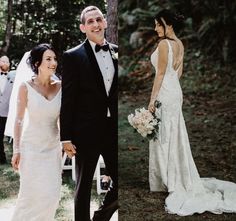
x=42 y=95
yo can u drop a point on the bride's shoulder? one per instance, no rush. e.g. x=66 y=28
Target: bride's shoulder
x=180 y=42
x=56 y=82
x=23 y=89
x=24 y=84
x=163 y=45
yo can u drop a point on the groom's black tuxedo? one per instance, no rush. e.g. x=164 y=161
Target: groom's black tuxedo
x=84 y=120
x=84 y=98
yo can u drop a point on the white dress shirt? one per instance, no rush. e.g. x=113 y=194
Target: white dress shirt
x=3 y=81
x=106 y=66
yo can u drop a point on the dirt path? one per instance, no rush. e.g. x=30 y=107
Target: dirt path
x=210 y=122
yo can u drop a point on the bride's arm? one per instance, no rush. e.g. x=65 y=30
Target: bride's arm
x=161 y=69
x=20 y=112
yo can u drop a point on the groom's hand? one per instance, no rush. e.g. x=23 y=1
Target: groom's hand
x=69 y=148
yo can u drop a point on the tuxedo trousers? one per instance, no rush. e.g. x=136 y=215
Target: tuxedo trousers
x=2 y=129
x=86 y=162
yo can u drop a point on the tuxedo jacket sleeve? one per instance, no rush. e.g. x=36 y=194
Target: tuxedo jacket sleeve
x=68 y=89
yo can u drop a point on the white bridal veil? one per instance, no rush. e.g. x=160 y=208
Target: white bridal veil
x=23 y=73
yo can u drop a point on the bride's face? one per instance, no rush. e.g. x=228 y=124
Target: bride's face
x=159 y=29
x=49 y=63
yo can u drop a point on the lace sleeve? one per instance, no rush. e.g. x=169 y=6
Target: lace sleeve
x=20 y=112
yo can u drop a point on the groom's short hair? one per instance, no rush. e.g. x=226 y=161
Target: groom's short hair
x=86 y=10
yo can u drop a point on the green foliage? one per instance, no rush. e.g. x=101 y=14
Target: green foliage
x=53 y=21
x=208 y=35
x=2 y=19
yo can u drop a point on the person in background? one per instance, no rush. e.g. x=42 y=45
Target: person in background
x=6 y=83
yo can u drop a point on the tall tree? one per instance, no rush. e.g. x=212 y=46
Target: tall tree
x=8 y=32
x=112 y=20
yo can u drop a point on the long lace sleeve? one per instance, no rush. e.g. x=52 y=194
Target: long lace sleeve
x=20 y=112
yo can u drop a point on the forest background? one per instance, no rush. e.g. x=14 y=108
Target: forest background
x=209 y=88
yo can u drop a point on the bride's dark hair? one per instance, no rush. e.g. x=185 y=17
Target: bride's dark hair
x=170 y=18
x=36 y=56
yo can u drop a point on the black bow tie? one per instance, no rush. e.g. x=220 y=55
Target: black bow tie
x=103 y=47
x=3 y=73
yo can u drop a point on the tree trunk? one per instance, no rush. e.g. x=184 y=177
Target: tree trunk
x=112 y=21
x=8 y=32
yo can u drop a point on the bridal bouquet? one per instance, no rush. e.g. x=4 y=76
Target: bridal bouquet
x=145 y=122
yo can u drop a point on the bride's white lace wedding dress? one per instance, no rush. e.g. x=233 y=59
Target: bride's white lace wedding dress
x=171 y=165
x=40 y=163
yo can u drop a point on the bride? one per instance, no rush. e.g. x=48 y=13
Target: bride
x=23 y=73
x=171 y=165
x=36 y=146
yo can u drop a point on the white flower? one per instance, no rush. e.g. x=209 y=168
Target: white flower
x=144 y=122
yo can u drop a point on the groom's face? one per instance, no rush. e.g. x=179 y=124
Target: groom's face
x=94 y=26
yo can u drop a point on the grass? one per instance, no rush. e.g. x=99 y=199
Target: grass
x=9 y=186
x=210 y=120
x=9 y=180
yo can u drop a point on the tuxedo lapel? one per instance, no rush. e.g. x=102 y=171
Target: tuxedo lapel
x=94 y=65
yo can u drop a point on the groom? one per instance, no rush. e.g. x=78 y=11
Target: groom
x=88 y=116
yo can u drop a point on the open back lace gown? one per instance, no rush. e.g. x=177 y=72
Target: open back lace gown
x=40 y=164
x=171 y=165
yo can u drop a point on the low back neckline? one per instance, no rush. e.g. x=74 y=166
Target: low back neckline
x=172 y=57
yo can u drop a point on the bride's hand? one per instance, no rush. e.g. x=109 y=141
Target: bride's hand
x=151 y=107
x=15 y=160
x=69 y=148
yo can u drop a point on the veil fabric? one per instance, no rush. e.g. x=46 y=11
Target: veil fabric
x=23 y=73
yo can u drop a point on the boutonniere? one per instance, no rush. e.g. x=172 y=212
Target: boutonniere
x=114 y=54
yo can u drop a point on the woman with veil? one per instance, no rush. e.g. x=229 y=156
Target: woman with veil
x=23 y=73
x=36 y=145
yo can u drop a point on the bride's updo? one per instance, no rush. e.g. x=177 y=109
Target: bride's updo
x=174 y=19
x=36 y=56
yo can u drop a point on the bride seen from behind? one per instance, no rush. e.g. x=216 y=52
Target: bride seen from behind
x=171 y=165
x=36 y=148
